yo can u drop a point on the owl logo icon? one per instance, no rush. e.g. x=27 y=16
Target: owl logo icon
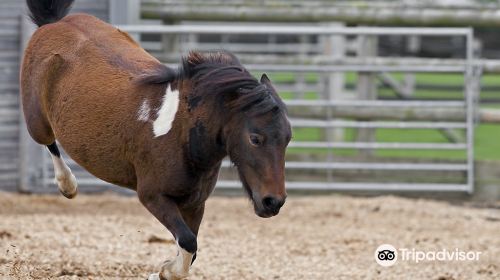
x=386 y=255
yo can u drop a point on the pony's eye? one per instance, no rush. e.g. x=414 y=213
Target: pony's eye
x=256 y=139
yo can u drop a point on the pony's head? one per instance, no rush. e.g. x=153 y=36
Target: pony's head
x=255 y=130
x=257 y=136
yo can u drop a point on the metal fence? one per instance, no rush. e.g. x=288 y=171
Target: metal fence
x=308 y=172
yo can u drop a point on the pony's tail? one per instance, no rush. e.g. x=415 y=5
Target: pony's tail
x=48 y=11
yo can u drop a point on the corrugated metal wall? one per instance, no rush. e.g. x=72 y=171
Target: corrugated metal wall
x=10 y=11
x=10 y=15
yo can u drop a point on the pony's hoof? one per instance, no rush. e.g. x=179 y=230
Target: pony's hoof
x=167 y=275
x=154 y=276
x=67 y=185
x=69 y=195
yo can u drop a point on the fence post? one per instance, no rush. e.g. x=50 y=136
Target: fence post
x=30 y=153
x=300 y=78
x=334 y=48
x=333 y=87
x=413 y=47
x=366 y=86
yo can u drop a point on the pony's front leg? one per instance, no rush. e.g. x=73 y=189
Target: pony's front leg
x=166 y=210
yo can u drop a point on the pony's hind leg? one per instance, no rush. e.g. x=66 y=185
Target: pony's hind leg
x=64 y=178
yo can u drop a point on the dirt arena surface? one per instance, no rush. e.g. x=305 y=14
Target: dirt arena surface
x=315 y=237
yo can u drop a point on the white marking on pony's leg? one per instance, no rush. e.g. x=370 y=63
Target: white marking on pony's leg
x=154 y=276
x=177 y=269
x=64 y=178
x=143 y=113
x=166 y=113
x=182 y=261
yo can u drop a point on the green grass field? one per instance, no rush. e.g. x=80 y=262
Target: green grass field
x=487 y=144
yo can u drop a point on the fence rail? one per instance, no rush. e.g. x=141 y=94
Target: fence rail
x=371 y=145
x=375 y=124
x=348 y=186
x=295 y=30
x=374 y=103
x=370 y=166
x=394 y=13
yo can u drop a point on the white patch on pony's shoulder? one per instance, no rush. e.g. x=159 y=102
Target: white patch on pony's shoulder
x=143 y=113
x=166 y=113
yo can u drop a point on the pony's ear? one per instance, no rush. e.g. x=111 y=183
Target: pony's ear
x=264 y=79
x=267 y=83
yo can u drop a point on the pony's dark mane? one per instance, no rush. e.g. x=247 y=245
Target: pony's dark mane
x=221 y=74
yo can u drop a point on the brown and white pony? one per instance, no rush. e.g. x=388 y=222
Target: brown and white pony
x=131 y=121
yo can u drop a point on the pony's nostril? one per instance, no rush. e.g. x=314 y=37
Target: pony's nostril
x=270 y=202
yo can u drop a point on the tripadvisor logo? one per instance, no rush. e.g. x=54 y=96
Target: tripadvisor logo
x=387 y=255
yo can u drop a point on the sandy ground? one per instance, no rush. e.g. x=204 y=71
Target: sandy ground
x=315 y=237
